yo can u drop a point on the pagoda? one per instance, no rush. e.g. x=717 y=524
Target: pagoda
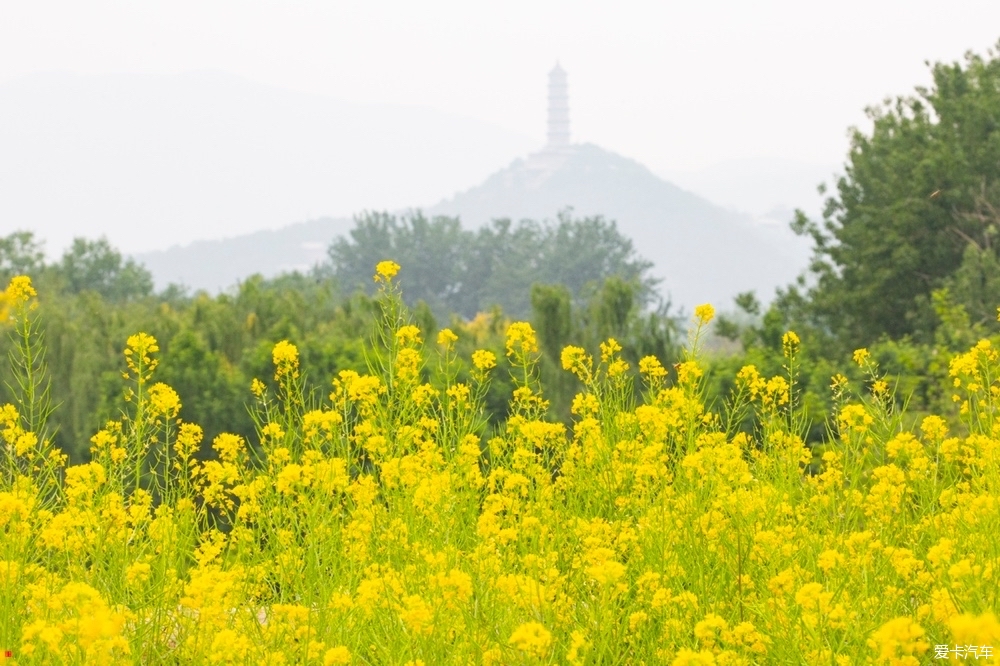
x=558 y=109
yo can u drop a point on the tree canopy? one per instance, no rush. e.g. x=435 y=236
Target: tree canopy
x=917 y=191
x=20 y=254
x=91 y=299
x=97 y=266
x=462 y=271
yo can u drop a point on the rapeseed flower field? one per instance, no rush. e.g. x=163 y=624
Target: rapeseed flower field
x=384 y=524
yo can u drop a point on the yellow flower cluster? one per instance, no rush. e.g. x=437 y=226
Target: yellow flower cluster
x=16 y=295
x=139 y=350
x=20 y=290
x=386 y=270
x=704 y=313
x=521 y=341
x=387 y=525
x=286 y=360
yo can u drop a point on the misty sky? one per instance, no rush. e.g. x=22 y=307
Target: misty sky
x=677 y=86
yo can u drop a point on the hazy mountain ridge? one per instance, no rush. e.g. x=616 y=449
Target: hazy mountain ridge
x=215 y=265
x=702 y=252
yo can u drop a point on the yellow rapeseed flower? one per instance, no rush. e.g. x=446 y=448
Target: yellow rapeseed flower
x=829 y=559
x=447 y=338
x=138 y=355
x=188 y=440
x=577 y=643
x=385 y=271
x=790 y=343
x=707 y=631
x=704 y=313
x=521 y=339
x=577 y=361
x=838 y=382
x=20 y=290
x=688 y=371
x=229 y=446
x=584 y=404
x=609 y=349
x=934 y=427
x=969 y=629
x=141 y=344
x=286 y=359
x=687 y=657
x=409 y=334
x=15 y=296
x=417 y=615
x=337 y=655
x=899 y=641
x=163 y=400
x=533 y=638
x=652 y=368
x=272 y=430
x=25 y=443
x=749 y=377
x=484 y=359
x=854 y=418
x=408 y=364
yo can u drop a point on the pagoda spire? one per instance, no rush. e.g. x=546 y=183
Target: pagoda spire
x=558 y=108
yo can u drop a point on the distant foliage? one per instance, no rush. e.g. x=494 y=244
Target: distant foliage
x=212 y=346
x=96 y=266
x=919 y=190
x=86 y=266
x=464 y=271
x=20 y=254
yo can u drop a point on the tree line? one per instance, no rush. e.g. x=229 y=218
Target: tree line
x=213 y=346
x=462 y=271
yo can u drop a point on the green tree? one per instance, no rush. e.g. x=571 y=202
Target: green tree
x=579 y=253
x=97 y=266
x=455 y=270
x=975 y=285
x=552 y=317
x=433 y=254
x=213 y=392
x=20 y=254
x=905 y=209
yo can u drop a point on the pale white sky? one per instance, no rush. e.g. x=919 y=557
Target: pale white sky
x=677 y=86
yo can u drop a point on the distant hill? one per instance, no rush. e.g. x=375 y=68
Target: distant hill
x=215 y=265
x=702 y=252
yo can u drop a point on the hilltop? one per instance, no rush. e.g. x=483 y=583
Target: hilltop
x=702 y=252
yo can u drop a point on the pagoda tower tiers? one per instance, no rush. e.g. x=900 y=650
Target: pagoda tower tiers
x=558 y=108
